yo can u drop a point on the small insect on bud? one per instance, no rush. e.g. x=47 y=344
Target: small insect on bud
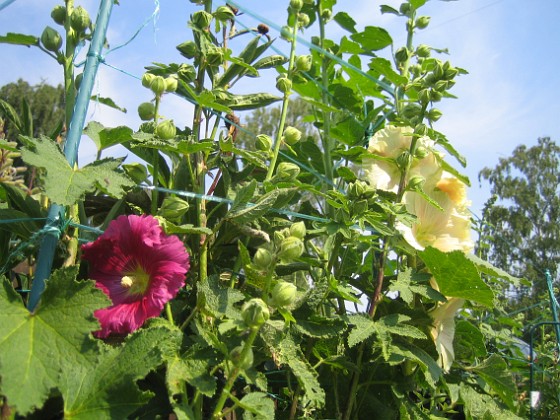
x=242 y=361
x=188 y=49
x=51 y=39
x=170 y=84
x=291 y=248
x=201 y=19
x=263 y=258
x=158 y=85
x=146 y=111
x=80 y=20
x=287 y=171
x=422 y=22
x=303 y=63
x=58 y=14
x=255 y=312
x=298 y=230
x=263 y=29
x=147 y=79
x=173 y=208
x=283 y=84
x=224 y=14
x=166 y=130
x=263 y=143
x=291 y=135
x=283 y=294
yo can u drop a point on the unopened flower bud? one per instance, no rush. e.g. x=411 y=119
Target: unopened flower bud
x=242 y=362
x=51 y=39
x=136 y=171
x=201 y=19
x=283 y=84
x=356 y=190
x=421 y=129
x=402 y=55
x=214 y=56
x=303 y=18
x=147 y=79
x=264 y=143
x=291 y=248
x=58 y=14
x=405 y=8
x=283 y=294
x=404 y=160
x=186 y=72
x=166 y=130
x=411 y=110
x=224 y=14
x=280 y=235
x=423 y=51
x=78 y=80
x=79 y=19
x=441 y=85
x=424 y=96
x=188 y=49
x=158 y=85
x=303 y=63
x=255 y=312
x=286 y=33
x=415 y=182
x=422 y=22
x=291 y=135
x=359 y=207
x=287 y=171
x=298 y=230
x=263 y=258
x=170 y=84
x=450 y=73
x=146 y=111
x=421 y=152
x=438 y=71
x=434 y=114
x=435 y=96
x=173 y=208
x=296 y=5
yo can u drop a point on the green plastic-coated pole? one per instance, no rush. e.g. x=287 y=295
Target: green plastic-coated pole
x=553 y=306
x=56 y=212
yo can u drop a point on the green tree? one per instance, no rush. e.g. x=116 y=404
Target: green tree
x=43 y=103
x=522 y=225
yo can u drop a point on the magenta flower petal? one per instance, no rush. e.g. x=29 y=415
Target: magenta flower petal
x=139 y=268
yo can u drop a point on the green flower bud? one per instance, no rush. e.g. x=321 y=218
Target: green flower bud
x=51 y=39
x=438 y=71
x=356 y=190
x=404 y=160
x=78 y=80
x=170 y=84
x=58 y=14
x=173 y=208
x=280 y=235
x=450 y=73
x=283 y=294
x=147 y=79
x=421 y=152
x=415 y=182
x=201 y=19
x=186 y=73
x=146 y=111
x=422 y=22
x=296 y=5
x=291 y=135
x=136 y=171
x=434 y=114
x=435 y=96
x=148 y=127
x=424 y=96
x=304 y=62
x=263 y=258
x=158 y=85
x=291 y=248
x=303 y=18
x=287 y=171
x=264 y=143
x=441 y=85
x=188 y=49
x=79 y=19
x=246 y=362
x=255 y=312
x=214 y=56
x=224 y=14
x=298 y=230
x=359 y=207
x=411 y=110
x=166 y=130
x=421 y=129
x=286 y=33
x=423 y=51
x=283 y=84
x=402 y=55
x=405 y=8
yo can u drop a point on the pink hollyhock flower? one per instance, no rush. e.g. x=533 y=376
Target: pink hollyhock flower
x=139 y=267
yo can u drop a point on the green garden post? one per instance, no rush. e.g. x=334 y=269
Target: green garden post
x=56 y=212
x=553 y=306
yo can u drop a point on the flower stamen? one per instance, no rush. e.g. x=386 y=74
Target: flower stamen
x=136 y=282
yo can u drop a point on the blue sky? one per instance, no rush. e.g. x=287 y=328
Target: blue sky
x=509 y=47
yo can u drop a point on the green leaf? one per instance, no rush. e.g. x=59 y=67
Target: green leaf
x=244 y=196
x=345 y=21
x=417 y=3
x=495 y=373
x=457 y=276
x=219 y=300
x=430 y=368
x=35 y=346
x=11 y=114
x=364 y=327
x=65 y=185
x=192 y=367
x=482 y=406
x=270 y=62
x=105 y=137
x=252 y=212
x=491 y=270
x=389 y=9
x=373 y=38
x=257 y=406
x=19 y=39
x=468 y=341
x=319 y=327
x=107 y=102
x=246 y=102
x=383 y=67
x=395 y=324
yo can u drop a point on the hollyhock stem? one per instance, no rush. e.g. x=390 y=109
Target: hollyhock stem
x=168 y=313
x=155 y=162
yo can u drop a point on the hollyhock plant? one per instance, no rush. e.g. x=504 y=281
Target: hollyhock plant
x=139 y=268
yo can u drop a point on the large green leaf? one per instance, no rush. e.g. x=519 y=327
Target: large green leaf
x=496 y=374
x=457 y=276
x=35 y=346
x=373 y=38
x=257 y=406
x=345 y=21
x=19 y=39
x=65 y=185
x=483 y=406
x=105 y=137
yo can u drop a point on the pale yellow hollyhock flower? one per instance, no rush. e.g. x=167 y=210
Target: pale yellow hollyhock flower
x=390 y=143
x=443 y=330
x=447 y=230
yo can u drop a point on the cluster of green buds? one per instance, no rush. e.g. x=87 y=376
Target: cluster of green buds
x=159 y=84
x=360 y=196
x=289 y=242
x=10 y=174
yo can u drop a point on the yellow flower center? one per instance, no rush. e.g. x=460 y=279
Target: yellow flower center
x=136 y=281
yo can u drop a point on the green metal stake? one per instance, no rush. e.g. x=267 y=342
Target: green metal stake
x=553 y=306
x=56 y=212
